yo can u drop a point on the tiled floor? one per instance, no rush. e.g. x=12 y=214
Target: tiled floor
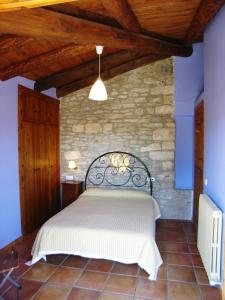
x=181 y=277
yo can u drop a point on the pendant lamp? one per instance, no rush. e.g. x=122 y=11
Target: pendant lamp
x=98 y=91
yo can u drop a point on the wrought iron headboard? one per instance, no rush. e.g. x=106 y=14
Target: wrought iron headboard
x=118 y=169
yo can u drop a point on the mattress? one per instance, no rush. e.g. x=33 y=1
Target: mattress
x=109 y=224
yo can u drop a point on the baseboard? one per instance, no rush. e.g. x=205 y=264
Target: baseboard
x=10 y=245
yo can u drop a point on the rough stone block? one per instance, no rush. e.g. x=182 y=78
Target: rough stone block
x=168 y=145
x=161 y=155
x=139 y=111
x=78 y=128
x=151 y=147
x=164 y=109
x=170 y=124
x=151 y=110
x=167 y=165
x=163 y=134
x=93 y=128
x=162 y=90
x=107 y=128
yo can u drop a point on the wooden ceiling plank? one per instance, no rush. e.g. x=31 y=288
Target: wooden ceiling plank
x=42 y=60
x=122 y=12
x=75 y=11
x=8 y=5
x=53 y=25
x=84 y=70
x=206 y=11
x=12 y=41
x=108 y=74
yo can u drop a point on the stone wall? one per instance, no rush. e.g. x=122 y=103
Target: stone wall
x=138 y=118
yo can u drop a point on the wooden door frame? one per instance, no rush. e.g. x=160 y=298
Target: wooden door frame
x=201 y=103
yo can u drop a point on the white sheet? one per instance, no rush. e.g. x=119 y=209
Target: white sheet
x=100 y=225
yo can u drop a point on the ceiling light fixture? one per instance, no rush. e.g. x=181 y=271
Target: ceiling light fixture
x=98 y=91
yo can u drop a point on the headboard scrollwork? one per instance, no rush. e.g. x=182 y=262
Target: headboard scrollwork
x=118 y=169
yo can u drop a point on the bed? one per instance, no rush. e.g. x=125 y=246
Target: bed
x=113 y=219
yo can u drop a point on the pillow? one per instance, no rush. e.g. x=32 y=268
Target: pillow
x=124 y=193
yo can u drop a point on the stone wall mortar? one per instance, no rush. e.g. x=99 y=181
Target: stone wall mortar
x=138 y=118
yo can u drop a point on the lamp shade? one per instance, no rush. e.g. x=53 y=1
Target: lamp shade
x=72 y=164
x=98 y=91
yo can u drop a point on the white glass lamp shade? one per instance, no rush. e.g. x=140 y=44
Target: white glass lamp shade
x=72 y=164
x=98 y=91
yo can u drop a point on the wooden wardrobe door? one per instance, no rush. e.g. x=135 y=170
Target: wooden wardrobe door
x=53 y=168
x=27 y=185
x=38 y=158
x=40 y=174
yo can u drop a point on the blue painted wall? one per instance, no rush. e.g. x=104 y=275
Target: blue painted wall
x=188 y=74
x=214 y=96
x=184 y=152
x=10 y=227
x=188 y=80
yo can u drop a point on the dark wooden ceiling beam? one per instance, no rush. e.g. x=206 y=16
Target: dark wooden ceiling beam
x=42 y=60
x=108 y=74
x=75 y=11
x=206 y=11
x=122 y=12
x=57 y=26
x=84 y=70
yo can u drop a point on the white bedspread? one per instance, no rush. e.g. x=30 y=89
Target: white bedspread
x=114 y=225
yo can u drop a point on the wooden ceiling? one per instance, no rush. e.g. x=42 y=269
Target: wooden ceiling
x=54 y=44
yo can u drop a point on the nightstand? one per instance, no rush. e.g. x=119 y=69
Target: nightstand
x=71 y=191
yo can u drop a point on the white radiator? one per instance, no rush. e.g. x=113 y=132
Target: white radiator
x=209 y=237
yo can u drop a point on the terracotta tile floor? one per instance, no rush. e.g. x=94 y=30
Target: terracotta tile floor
x=182 y=276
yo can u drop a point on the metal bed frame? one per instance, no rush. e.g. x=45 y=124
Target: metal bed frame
x=118 y=169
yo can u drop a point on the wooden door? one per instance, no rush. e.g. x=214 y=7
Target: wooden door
x=198 y=157
x=38 y=158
